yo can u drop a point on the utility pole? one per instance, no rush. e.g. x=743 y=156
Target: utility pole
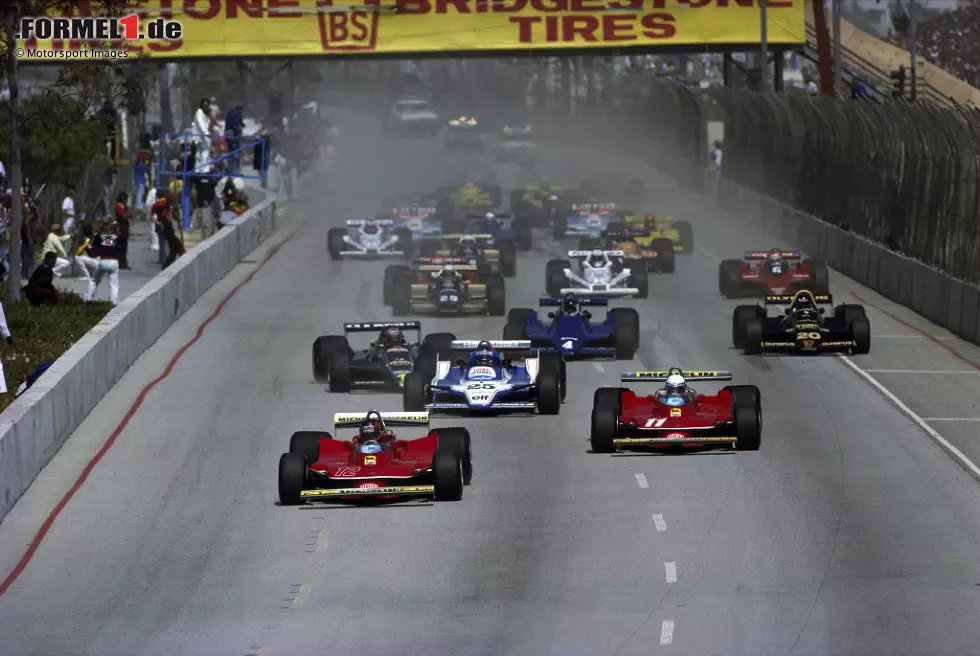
x=764 y=50
x=837 y=46
x=912 y=48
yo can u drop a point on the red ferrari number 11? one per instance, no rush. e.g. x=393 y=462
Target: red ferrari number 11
x=655 y=423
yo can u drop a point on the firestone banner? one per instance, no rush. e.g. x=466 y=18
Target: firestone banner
x=297 y=28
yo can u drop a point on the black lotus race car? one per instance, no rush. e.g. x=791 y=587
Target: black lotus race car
x=384 y=364
x=803 y=328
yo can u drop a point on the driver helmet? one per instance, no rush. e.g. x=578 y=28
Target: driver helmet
x=392 y=336
x=484 y=354
x=369 y=436
x=553 y=197
x=803 y=301
x=489 y=216
x=775 y=255
x=569 y=304
x=676 y=390
x=544 y=186
x=448 y=271
x=467 y=244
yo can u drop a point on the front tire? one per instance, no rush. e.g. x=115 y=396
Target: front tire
x=293 y=473
x=457 y=440
x=626 y=332
x=606 y=404
x=340 y=372
x=447 y=470
x=414 y=392
x=549 y=384
x=747 y=417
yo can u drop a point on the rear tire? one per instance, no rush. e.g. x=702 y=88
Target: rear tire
x=508 y=258
x=549 y=384
x=447 y=470
x=414 y=392
x=441 y=343
x=404 y=243
x=516 y=326
x=606 y=404
x=554 y=276
x=340 y=373
x=753 y=337
x=496 y=296
x=819 y=276
x=861 y=333
x=324 y=348
x=293 y=474
x=685 y=234
x=522 y=228
x=335 y=242
x=457 y=440
x=747 y=417
x=742 y=315
x=638 y=278
x=401 y=301
x=393 y=273
x=307 y=443
x=559 y=226
x=730 y=278
x=626 y=332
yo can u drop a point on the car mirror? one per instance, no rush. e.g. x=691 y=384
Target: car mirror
x=551 y=315
x=789 y=311
x=822 y=310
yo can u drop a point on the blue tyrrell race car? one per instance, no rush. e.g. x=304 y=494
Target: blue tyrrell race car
x=489 y=380
x=418 y=216
x=571 y=331
x=585 y=220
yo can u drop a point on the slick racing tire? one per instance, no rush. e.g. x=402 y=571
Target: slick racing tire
x=730 y=278
x=447 y=472
x=324 y=348
x=401 y=302
x=508 y=258
x=516 y=326
x=559 y=226
x=754 y=329
x=522 y=228
x=307 y=443
x=819 y=276
x=861 y=334
x=685 y=234
x=845 y=314
x=293 y=473
x=665 y=255
x=626 y=332
x=335 y=242
x=496 y=296
x=458 y=440
x=429 y=247
x=549 y=384
x=638 y=278
x=554 y=276
x=414 y=393
x=340 y=372
x=742 y=315
x=606 y=404
x=747 y=417
x=404 y=243
x=393 y=273
x=440 y=343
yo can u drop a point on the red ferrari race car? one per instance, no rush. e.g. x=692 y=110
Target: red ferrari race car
x=676 y=416
x=375 y=464
x=772 y=273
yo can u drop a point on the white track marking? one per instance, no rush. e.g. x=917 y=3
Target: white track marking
x=667 y=632
x=946 y=337
x=951 y=419
x=322 y=542
x=301 y=596
x=641 y=480
x=658 y=520
x=711 y=256
x=670 y=569
x=599 y=366
x=957 y=455
x=256 y=651
x=966 y=372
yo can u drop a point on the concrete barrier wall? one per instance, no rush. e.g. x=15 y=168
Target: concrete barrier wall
x=36 y=425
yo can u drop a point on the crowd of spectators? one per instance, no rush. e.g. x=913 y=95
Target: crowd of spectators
x=950 y=40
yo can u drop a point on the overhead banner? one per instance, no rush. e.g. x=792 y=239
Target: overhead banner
x=304 y=28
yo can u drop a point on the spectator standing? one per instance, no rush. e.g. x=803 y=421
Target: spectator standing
x=105 y=250
x=168 y=235
x=205 y=185
x=56 y=243
x=68 y=210
x=202 y=131
x=5 y=331
x=40 y=288
x=121 y=216
x=141 y=174
x=234 y=128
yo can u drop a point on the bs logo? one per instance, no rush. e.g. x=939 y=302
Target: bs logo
x=345 y=29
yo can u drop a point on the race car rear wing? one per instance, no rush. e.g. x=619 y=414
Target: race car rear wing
x=786 y=300
x=547 y=301
x=497 y=215
x=438 y=267
x=588 y=207
x=762 y=255
x=354 y=419
x=588 y=253
x=625 y=233
x=457 y=235
x=421 y=212
x=661 y=376
x=372 y=326
x=500 y=344
x=441 y=259
x=353 y=223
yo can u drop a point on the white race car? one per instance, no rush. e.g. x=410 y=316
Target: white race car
x=374 y=239
x=601 y=273
x=413 y=117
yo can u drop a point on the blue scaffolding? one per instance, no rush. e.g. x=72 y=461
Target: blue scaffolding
x=181 y=141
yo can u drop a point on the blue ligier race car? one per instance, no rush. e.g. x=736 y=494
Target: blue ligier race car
x=489 y=379
x=500 y=226
x=571 y=331
x=585 y=220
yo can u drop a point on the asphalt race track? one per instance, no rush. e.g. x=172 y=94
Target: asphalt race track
x=850 y=532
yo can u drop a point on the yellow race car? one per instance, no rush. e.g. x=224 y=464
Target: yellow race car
x=680 y=233
x=533 y=202
x=657 y=254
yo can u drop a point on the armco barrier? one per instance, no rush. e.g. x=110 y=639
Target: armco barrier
x=36 y=425
x=954 y=303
